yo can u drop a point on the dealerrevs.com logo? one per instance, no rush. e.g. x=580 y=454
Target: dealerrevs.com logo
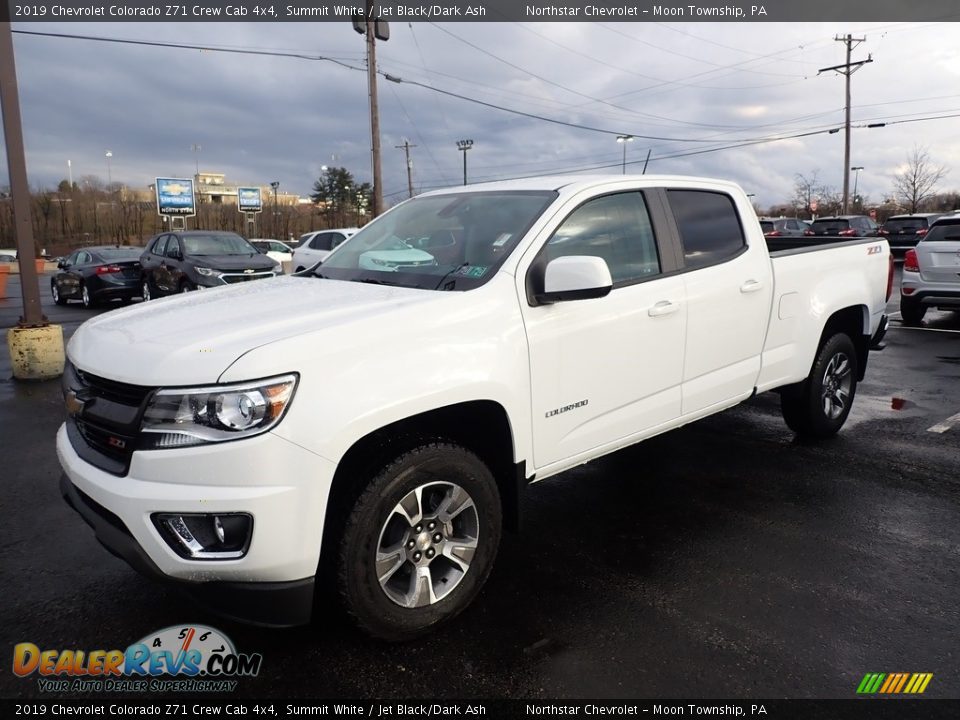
x=180 y=658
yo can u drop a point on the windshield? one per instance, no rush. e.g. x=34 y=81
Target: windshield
x=443 y=242
x=226 y=244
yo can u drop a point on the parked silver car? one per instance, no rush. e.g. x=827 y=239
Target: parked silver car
x=931 y=272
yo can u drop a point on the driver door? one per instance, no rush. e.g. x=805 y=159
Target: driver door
x=610 y=368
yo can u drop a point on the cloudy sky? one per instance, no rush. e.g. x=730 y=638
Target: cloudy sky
x=695 y=87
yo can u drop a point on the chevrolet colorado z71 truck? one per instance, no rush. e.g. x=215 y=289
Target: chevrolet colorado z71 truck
x=370 y=425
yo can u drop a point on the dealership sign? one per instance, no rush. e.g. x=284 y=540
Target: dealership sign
x=175 y=197
x=248 y=200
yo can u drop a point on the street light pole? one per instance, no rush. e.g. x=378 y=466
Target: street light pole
x=109 y=155
x=856 y=180
x=275 y=184
x=623 y=140
x=196 y=150
x=463 y=146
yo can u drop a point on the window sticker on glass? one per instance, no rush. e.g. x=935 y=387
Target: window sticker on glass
x=473 y=271
x=502 y=239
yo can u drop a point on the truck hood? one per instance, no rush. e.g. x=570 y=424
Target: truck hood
x=193 y=338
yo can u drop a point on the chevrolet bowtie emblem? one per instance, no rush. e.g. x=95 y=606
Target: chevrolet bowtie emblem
x=248 y=272
x=73 y=402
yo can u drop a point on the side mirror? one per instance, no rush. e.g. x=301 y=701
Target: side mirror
x=575 y=277
x=62 y=265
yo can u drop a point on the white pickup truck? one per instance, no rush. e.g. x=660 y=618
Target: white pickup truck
x=370 y=426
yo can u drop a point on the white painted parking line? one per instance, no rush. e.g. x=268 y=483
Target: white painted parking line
x=945 y=425
x=924 y=329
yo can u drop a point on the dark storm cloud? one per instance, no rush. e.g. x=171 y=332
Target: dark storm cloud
x=260 y=118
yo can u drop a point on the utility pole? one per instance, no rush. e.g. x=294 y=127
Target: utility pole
x=847 y=69
x=374 y=29
x=406 y=150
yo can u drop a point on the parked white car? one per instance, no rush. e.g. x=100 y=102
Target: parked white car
x=273 y=249
x=315 y=246
x=372 y=429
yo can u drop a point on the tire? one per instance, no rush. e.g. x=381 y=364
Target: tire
x=431 y=564
x=819 y=406
x=55 y=292
x=300 y=269
x=145 y=290
x=88 y=301
x=187 y=286
x=911 y=311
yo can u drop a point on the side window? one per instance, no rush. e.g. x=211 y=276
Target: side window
x=336 y=239
x=83 y=258
x=160 y=246
x=709 y=226
x=72 y=260
x=320 y=242
x=173 y=245
x=614 y=227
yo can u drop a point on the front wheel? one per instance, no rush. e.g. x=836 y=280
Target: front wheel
x=819 y=406
x=145 y=290
x=55 y=292
x=419 y=542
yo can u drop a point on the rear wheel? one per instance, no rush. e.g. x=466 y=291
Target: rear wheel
x=912 y=311
x=419 y=542
x=88 y=301
x=819 y=406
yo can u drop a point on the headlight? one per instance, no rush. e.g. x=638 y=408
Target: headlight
x=208 y=272
x=197 y=416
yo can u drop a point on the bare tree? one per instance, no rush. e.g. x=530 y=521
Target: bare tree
x=917 y=182
x=806 y=190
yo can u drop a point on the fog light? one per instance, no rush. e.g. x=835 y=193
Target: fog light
x=207 y=536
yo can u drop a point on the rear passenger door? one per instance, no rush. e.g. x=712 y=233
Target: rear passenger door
x=729 y=285
x=608 y=368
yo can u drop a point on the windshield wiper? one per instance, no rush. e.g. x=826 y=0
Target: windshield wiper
x=374 y=281
x=457 y=269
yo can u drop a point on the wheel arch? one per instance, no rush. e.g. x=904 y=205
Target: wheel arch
x=481 y=426
x=853 y=321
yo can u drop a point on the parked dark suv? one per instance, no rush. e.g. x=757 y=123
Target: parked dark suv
x=843 y=226
x=905 y=231
x=182 y=261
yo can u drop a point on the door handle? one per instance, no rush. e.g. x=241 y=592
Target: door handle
x=664 y=307
x=751 y=286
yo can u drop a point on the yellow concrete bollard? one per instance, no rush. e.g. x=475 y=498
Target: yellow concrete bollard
x=36 y=353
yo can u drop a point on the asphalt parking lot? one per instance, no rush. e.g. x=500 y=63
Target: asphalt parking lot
x=724 y=559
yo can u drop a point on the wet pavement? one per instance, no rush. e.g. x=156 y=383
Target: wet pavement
x=724 y=559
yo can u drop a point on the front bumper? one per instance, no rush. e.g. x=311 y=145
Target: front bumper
x=283 y=486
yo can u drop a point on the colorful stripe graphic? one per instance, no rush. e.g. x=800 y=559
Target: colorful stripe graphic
x=894 y=683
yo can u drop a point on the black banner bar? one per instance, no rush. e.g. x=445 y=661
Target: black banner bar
x=268 y=11
x=205 y=707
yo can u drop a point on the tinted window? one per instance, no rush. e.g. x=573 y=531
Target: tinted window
x=904 y=225
x=173 y=247
x=160 y=246
x=321 y=242
x=766 y=225
x=829 y=227
x=616 y=228
x=709 y=226
x=943 y=232
x=121 y=253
